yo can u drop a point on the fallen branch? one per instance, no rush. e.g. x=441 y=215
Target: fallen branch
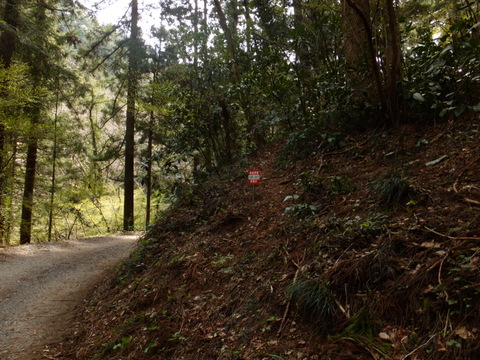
x=452 y=237
x=471 y=201
x=419 y=347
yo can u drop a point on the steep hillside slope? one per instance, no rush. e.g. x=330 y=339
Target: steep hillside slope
x=366 y=251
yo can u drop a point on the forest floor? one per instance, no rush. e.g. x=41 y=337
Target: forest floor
x=355 y=247
x=42 y=286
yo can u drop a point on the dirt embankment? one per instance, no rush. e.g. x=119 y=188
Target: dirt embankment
x=369 y=251
x=42 y=284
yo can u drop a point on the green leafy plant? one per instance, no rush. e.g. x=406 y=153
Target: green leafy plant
x=302 y=211
x=350 y=227
x=311 y=182
x=125 y=341
x=221 y=259
x=178 y=337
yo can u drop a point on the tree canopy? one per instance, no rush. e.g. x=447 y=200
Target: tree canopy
x=87 y=109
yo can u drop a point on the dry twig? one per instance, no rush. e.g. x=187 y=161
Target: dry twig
x=453 y=237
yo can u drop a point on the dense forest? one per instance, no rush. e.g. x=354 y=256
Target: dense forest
x=99 y=128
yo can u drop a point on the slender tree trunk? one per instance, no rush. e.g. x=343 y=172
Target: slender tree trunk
x=149 y=170
x=393 y=71
x=231 y=45
x=30 y=170
x=195 y=28
x=8 y=41
x=8 y=37
x=228 y=130
x=10 y=172
x=54 y=171
x=129 y=185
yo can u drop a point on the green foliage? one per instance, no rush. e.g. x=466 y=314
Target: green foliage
x=443 y=62
x=221 y=259
x=289 y=78
x=17 y=92
x=125 y=341
x=311 y=182
x=299 y=211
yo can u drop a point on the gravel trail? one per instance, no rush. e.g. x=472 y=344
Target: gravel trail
x=42 y=284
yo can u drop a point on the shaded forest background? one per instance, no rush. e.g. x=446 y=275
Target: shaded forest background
x=99 y=129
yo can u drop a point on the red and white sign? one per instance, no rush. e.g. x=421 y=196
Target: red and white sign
x=253 y=177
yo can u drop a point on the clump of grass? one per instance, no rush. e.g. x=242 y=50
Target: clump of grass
x=314 y=301
x=391 y=190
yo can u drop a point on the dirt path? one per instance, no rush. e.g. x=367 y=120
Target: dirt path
x=41 y=284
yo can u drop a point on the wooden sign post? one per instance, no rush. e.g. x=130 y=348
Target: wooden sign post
x=254 y=179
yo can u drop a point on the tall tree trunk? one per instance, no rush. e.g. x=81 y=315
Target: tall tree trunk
x=8 y=41
x=361 y=35
x=301 y=56
x=129 y=185
x=149 y=170
x=30 y=170
x=393 y=64
x=10 y=173
x=54 y=170
x=196 y=38
x=231 y=44
x=228 y=130
x=8 y=37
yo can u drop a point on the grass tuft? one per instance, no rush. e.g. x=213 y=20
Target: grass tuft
x=391 y=190
x=314 y=301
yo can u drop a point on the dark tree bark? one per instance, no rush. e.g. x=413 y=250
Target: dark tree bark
x=361 y=47
x=8 y=37
x=8 y=40
x=363 y=13
x=149 y=170
x=54 y=171
x=228 y=130
x=129 y=185
x=393 y=71
x=30 y=170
